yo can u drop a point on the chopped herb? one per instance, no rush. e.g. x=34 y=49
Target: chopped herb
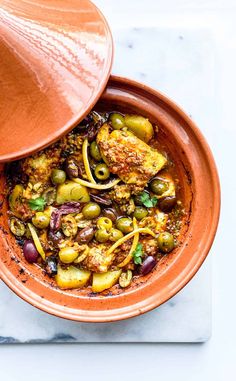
x=147 y=200
x=137 y=254
x=37 y=204
x=154 y=201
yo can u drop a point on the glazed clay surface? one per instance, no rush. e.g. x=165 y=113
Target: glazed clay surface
x=55 y=61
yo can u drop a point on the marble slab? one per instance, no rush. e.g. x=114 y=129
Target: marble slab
x=184 y=318
x=180 y=63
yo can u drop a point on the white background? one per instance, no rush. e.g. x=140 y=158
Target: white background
x=216 y=358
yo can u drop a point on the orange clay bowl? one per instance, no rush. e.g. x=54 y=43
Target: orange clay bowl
x=200 y=193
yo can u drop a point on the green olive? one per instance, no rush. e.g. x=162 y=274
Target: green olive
x=94 y=151
x=16 y=196
x=115 y=235
x=125 y=279
x=110 y=213
x=140 y=212
x=49 y=195
x=104 y=223
x=102 y=235
x=58 y=176
x=72 y=167
x=69 y=226
x=125 y=225
x=17 y=227
x=165 y=242
x=91 y=210
x=68 y=254
x=85 y=235
x=41 y=220
x=83 y=254
x=102 y=172
x=71 y=191
x=159 y=186
x=117 y=121
x=140 y=126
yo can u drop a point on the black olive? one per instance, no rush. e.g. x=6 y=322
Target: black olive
x=87 y=120
x=167 y=203
x=20 y=241
x=54 y=238
x=110 y=213
x=72 y=169
x=66 y=153
x=101 y=200
x=85 y=235
x=92 y=132
x=49 y=195
x=148 y=264
x=51 y=266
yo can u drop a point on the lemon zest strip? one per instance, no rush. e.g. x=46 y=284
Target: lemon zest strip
x=37 y=241
x=128 y=236
x=133 y=246
x=86 y=161
x=88 y=184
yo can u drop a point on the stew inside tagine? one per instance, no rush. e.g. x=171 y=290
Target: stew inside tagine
x=99 y=207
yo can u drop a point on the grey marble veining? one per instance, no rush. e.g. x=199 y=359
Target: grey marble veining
x=179 y=63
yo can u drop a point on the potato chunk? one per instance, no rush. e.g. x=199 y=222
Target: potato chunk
x=71 y=191
x=104 y=281
x=39 y=166
x=98 y=260
x=71 y=277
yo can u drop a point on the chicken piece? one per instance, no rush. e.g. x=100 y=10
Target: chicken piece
x=150 y=246
x=121 y=252
x=18 y=205
x=121 y=194
x=23 y=211
x=130 y=158
x=98 y=260
x=39 y=166
x=157 y=221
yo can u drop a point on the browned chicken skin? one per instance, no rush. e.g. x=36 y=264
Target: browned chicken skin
x=134 y=161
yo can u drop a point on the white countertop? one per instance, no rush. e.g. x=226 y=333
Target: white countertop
x=214 y=359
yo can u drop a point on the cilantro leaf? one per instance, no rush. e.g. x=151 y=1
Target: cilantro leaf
x=154 y=201
x=37 y=204
x=137 y=254
x=138 y=261
x=147 y=200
